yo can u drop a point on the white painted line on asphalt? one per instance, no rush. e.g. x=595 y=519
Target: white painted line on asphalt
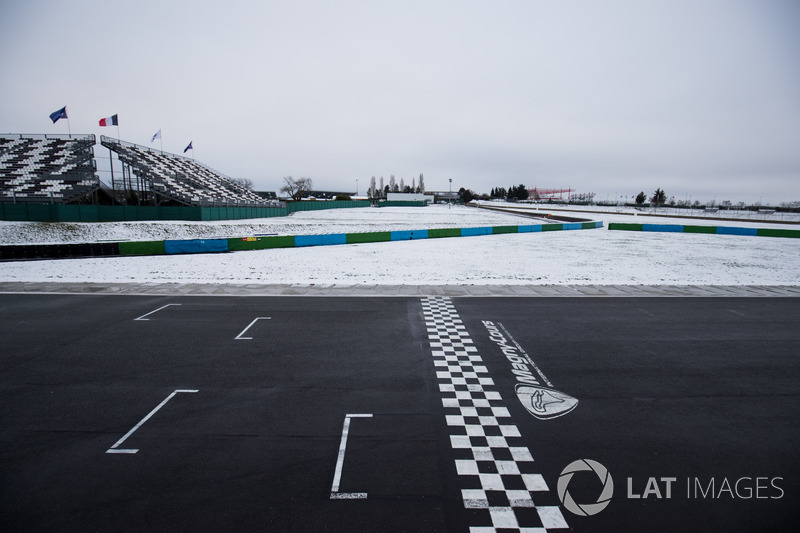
x=239 y=336
x=337 y=477
x=115 y=448
x=155 y=311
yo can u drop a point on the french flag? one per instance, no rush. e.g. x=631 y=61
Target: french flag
x=109 y=121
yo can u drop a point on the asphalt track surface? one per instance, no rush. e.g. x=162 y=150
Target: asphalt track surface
x=702 y=390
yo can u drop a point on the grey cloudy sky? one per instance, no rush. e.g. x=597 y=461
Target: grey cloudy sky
x=700 y=97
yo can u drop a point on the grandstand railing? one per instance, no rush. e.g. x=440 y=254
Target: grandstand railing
x=181 y=179
x=35 y=170
x=89 y=138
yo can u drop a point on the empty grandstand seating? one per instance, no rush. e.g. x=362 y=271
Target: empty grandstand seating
x=178 y=178
x=47 y=168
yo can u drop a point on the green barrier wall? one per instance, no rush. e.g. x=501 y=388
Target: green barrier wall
x=625 y=227
x=552 y=227
x=377 y=236
x=765 y=232
x=699 y=229
x=142 y=248
x=421 y=203
x=497 y=230
x=444 y=232
x=321 y=205
x=120 y=213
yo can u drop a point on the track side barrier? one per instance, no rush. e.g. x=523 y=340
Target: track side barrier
x=261 y=243
x=710 y=230
x=236 y=244
x=196 y=246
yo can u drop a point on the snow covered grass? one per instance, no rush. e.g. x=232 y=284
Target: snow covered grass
x=299 y=223
x=596 y=256
x=664 y=213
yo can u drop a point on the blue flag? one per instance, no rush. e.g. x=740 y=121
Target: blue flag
x=61 y=113
x=188 y=147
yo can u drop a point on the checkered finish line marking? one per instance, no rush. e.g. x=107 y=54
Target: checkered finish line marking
x=495 y=468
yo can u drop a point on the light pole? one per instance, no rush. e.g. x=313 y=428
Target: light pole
x=450 y=195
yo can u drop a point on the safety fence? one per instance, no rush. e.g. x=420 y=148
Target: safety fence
x=712 y=230
x=125 y=213
x=235 y=244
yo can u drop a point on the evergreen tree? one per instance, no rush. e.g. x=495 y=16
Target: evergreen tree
x=641 y=198
x=466 y=195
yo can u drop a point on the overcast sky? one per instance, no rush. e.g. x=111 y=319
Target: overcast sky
x=699 y=97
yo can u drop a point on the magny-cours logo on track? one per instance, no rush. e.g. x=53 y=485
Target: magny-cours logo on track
x=538 y=397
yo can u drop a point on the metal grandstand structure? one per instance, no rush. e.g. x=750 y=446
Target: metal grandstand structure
x=47 y=168
x=549 y=194
x=156 y=177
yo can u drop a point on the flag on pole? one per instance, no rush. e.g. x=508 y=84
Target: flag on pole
x=188 y=147
x=61 y=113
x=109 y=121
x=156 y=136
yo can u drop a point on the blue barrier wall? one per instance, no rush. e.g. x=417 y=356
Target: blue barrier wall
x=196 y=246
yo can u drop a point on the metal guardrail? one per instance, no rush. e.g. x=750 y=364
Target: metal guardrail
x=42 y=136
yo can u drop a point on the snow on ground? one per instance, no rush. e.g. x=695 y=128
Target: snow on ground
x=596 y=256
x=300 y=223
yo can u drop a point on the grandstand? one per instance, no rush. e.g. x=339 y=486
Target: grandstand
x=171 y=177
x=47 y=168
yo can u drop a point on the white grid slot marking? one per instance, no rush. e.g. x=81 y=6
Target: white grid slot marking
x=495 y=468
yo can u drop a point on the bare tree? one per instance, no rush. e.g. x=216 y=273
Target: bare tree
x=297 y=188
x=244 y=183
x=421 y=186
x=372 y=187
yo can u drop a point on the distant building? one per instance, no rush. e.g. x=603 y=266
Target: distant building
x=444 y=196
x=408 y=197
x=328 y=195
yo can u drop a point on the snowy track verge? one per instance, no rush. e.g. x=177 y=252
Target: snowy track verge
x=238 y=244
x=561 y=258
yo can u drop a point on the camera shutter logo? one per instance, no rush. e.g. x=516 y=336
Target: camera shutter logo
x=585 y=509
